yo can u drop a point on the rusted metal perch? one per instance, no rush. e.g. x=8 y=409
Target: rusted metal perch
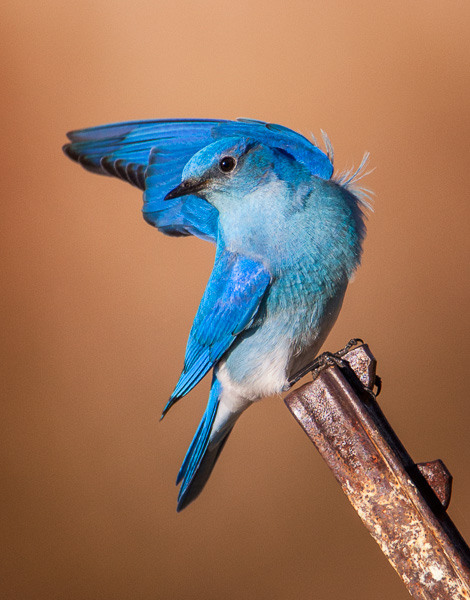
x=402 y=504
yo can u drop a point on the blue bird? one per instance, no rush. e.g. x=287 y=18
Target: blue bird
x=288 y=237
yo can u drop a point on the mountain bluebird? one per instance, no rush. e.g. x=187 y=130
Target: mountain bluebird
x=288 y=238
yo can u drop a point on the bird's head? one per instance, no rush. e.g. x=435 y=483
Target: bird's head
x=229 y=167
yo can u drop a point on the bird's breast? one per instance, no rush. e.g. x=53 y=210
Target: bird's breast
x=289 y=328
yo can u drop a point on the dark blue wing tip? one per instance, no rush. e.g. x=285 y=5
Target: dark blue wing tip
x=67 y=149
x=173 y=399
x=168 y=405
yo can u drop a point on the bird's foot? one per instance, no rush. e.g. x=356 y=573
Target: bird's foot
x=325 y=359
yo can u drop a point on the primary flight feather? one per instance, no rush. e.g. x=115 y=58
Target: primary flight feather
x=288 y=236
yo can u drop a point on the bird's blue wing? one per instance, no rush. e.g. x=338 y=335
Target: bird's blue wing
x=233 y=295
x=151 y=155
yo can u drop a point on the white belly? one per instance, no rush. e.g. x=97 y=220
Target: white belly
x=260 y=364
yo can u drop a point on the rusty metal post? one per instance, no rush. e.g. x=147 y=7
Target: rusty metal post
x=401 y=504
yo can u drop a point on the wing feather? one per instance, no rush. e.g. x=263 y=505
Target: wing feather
x=230 y=303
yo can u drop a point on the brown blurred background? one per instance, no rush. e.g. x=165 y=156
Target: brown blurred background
x=96 y=305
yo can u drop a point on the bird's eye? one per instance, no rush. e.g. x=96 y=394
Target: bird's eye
x=227 y=164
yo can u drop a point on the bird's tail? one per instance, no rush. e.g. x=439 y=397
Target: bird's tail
x=207 y=444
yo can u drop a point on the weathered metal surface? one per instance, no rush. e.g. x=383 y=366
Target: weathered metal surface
x=439 y=478
x=388 y=491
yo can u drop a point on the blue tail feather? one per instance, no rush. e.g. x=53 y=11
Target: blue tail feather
x=196 y=440
x=202 y=455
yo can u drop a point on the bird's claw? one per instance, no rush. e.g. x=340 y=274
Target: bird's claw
x=348 y=347
x=326 y=359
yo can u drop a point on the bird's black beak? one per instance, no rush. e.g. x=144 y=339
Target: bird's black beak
x=185 y=188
